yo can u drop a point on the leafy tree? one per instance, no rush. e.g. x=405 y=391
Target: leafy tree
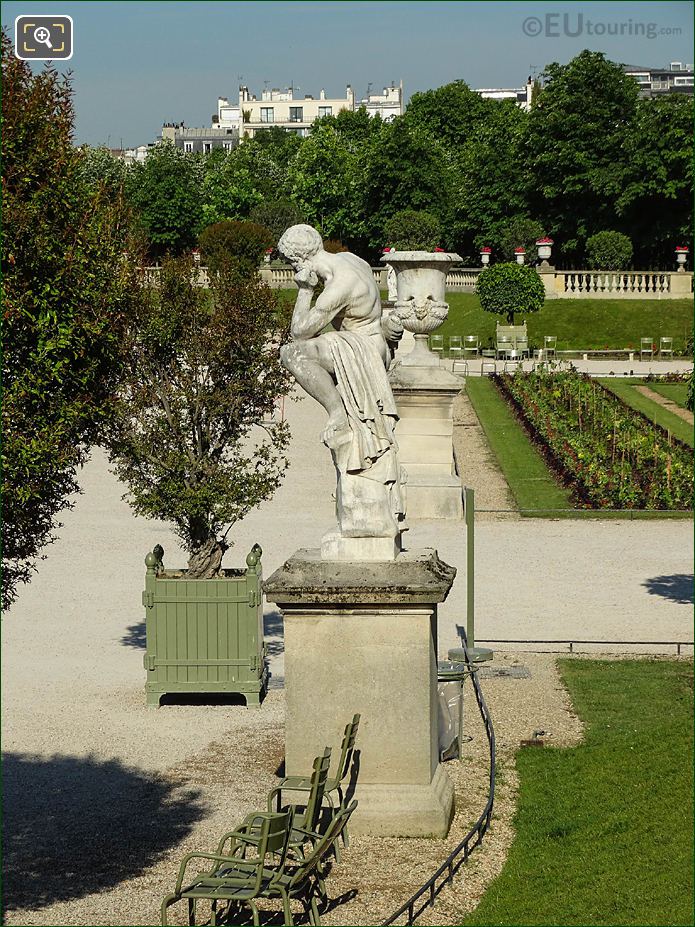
x=355 y=128
x=508 y=288
x=405 y=168
x=655 y=203
x=517 y=232
x=277 y=215
x=165 y=191
x=69 y=284
x=239 y=245
x=609 y=251
x=229 y=189
x=325 y=182
x=99 y=167
x=412 y=230
x=450 y=113
x=193 y=437
x=489 y=189
x=574 y=148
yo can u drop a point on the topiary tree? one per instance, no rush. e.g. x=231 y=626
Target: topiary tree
x=608 y=251
x=413 y=230
x=68 y=289
x=193 y=438
x=234 y=244
x=506 y=289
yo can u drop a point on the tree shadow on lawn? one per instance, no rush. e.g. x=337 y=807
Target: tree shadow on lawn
x=677 y=587
x=73 y=826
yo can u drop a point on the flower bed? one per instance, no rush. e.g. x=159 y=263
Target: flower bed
x=610 y=455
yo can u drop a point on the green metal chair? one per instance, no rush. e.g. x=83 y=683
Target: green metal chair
x=305 y=879
x=306 y=823
x=333 y=783
x=235 y=878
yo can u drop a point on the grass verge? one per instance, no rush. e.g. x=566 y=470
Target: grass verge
x=604 y=829
x=676 y=392
x=581 y=324
x=531 y=483
x=625 y=390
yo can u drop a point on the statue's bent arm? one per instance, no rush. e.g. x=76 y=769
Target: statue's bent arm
x=309 y=321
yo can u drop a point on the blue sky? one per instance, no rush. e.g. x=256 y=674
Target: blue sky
x=139 y=64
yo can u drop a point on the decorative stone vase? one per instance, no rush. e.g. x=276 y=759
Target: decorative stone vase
x=485 y=256
x=520 y=255
x=545 y=247
x=420 y=304
x=204 y=635
x=681 y=258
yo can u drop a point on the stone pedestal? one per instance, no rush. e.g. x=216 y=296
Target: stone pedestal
x=362 y=637
x=425 y=398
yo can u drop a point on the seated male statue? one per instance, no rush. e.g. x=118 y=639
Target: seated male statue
x=344 y=369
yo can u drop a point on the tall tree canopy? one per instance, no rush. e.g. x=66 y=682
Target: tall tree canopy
x=68 y=287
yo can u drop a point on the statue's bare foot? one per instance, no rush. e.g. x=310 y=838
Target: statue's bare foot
x=336 y=433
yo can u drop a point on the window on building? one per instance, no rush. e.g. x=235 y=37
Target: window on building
x=227 y=145
x=267 y=114
x=188 y=146
x=683 y=81
x=325 y=111
x=296 y=113
x=207 y=147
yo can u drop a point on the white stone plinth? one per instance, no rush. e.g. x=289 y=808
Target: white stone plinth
x=425 y=399
x=336 y=547
x=363 y=638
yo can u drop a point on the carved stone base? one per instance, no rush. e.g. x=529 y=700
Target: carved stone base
x=406 y=810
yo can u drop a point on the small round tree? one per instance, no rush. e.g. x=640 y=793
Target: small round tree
x=608 y=251
x=235 y=243
x=413 y=230
x=194 y=437
x=506 y=289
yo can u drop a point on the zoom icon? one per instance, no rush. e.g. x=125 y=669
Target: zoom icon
x=43 y=38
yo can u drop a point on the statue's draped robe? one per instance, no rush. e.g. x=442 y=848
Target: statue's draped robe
x=366 y=393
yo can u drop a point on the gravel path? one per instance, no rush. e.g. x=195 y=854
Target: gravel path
x=103 y=796
x=669 y=404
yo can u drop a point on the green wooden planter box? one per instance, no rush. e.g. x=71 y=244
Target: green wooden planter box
x=204 y=635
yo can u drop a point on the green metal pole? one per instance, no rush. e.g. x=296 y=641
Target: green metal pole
x=469 y=515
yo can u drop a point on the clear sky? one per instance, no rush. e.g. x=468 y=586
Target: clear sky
x=139 y=64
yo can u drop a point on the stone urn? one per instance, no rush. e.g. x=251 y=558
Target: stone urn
x=420 y=304
x=681 y=257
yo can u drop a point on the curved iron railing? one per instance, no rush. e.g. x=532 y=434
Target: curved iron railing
x=428 y=892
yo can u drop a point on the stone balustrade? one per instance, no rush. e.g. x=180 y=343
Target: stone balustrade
x=559 y=284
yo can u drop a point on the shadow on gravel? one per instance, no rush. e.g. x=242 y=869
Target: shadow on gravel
x=73 y=826
x=678 y=587
x=274 y=633
x=135 y=636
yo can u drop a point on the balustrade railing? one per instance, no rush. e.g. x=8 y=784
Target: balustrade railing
x=559 y=284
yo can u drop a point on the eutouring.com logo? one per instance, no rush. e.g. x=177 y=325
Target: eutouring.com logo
x=573 y=25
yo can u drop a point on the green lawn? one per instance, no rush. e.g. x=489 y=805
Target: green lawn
x=676 y=392
x=530 y=481
x=604 y=830
x=625 y=389
x=581 y=324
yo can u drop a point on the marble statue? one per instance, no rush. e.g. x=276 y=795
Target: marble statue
x=344 y=369
x=392 y=284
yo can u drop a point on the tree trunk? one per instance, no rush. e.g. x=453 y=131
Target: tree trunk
x=205 y=559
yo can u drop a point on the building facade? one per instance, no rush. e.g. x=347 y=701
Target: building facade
x=200 y=141
x=295 y=113
x=520 y=95
x=654 y=82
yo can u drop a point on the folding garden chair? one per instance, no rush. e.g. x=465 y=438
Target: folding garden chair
x=665 y=346
x=646 y=347
x=455 y=346
x=437 y=343
x=471 y=345
x=549 y=346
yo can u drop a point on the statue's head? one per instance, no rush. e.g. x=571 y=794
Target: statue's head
x=299 y=243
